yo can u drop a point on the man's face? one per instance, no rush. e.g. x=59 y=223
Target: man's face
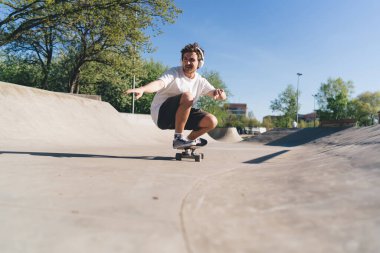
x=190 y=63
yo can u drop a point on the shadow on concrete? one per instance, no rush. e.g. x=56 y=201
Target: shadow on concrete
x=72 y=155
x=304 y=136
x=266 y=157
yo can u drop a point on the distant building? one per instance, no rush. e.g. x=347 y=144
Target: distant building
x=237 y=109
x=310 y=117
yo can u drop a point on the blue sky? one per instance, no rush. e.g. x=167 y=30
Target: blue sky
x=258 y=47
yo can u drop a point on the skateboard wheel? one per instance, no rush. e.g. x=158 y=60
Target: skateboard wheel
x=178 y=156
x=202 y=156
x=198 y=158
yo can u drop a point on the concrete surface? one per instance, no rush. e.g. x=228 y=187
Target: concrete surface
x=76 y=176
x=225 y=134
x=294 y=137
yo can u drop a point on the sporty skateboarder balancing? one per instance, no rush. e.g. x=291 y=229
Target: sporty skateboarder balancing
x=178 y=91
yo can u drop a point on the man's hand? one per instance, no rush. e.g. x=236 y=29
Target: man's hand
x=149 y=88
x=138 y=92
x=219 y=94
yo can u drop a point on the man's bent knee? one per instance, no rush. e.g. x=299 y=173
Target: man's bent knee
x=187 y=99
x=214 y=121
x=209 y=121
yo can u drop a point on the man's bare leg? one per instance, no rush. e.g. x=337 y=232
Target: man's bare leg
x=207 y=123
x=183 y=112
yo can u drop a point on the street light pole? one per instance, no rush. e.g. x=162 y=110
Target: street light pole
x=298 y=81
x=133 y=95
x=134 y=73
x=315 y=113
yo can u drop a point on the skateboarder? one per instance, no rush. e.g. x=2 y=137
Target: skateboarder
x=178 y=91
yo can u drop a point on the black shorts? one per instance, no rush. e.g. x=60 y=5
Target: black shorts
x=166 y=115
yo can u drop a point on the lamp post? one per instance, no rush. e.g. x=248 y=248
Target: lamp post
x=315 y=113
x=134 y=74
x=298 y=81
x=133 y=95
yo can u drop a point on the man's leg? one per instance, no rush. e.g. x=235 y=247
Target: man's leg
x=183 y=112
x=206 y=124
x=173 y=114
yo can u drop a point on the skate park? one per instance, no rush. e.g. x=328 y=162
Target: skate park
x=78 y=176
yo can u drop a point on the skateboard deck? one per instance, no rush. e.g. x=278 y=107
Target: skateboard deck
x=190 y=152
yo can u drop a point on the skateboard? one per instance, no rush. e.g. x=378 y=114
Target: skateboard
x=190 y=152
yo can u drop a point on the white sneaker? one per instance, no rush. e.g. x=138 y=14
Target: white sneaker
x=182 y=143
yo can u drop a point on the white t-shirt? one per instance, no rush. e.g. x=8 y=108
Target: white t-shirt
x=176 y=83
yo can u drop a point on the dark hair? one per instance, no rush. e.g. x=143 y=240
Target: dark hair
x=191 y=48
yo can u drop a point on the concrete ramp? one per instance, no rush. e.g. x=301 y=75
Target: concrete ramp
x=33 y=117
x=360 y=146
x=272 y=135
x=227 y=134
x=293 y=137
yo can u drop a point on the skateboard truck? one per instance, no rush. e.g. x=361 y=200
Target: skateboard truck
x=189 y=153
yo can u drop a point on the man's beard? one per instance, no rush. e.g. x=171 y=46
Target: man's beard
x=189 y=69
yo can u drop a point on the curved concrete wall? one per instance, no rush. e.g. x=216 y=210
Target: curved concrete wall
x=35 y=117
x=225 y=134
x=32 y=116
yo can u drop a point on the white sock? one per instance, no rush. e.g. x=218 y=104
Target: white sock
x=178 y=135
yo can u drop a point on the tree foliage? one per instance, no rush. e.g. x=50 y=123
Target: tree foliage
x=241 y=122
x=152 y=71
x=103 y=31
x=267 y=122
x=286 y=103
x=14 y=70
x=111 y=85
x=333 y=99
x=365 y=107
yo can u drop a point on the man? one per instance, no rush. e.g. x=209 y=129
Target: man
x=178 y=90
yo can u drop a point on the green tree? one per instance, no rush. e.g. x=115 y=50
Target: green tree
x=364 y=108
x=106 y=81
x=302 y=124
x=151 y=71
x=286 y=103
x=253 y=121
x=333 y=99
x=101 y=31
x=35 y=48
x=267 y=123
x=233 y=120
x=15 y=70
x=23 y=16
x=111 y=84
x=372 y=99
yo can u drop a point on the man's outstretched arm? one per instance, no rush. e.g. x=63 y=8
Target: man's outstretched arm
x=148 y=88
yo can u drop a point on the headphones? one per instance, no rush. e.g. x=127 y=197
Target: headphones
x=202 y=60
